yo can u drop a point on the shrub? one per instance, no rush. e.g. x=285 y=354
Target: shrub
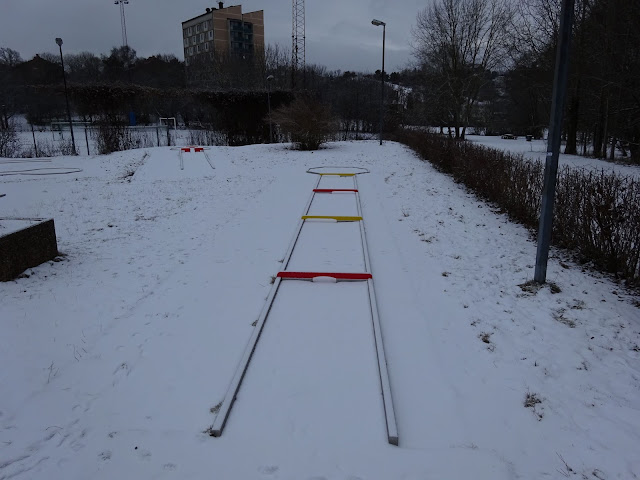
x=66 y=147
x=308 y=123
x=9 y=144
x=595 y=213
x=113 y=138
x=207 y=137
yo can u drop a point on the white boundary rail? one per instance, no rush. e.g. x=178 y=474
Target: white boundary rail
x=230 y=397
x=385 y=384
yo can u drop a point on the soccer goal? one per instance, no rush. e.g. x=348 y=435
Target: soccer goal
x=166 y=122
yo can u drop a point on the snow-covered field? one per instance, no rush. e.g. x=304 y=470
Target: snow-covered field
x=52 y=143
x=115 y=357
x=537 y=150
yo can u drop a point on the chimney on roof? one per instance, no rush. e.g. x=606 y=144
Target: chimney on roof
x=220 y=5
x=208 y=9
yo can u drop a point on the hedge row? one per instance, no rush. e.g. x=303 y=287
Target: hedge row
x=238 y=114
x=596 y=213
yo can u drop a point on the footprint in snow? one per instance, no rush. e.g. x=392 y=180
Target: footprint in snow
x=104 y=456
x=143 y=454
x=268 y=469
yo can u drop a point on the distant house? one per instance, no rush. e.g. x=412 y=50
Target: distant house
x=38 y=71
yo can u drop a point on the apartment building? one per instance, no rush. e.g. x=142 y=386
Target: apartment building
x=222 y=30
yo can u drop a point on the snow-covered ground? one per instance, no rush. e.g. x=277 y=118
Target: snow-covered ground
x=115 y=357
x=537 y=150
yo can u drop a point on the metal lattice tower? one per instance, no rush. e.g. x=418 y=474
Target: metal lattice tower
x=123 y=21
x=297 y=41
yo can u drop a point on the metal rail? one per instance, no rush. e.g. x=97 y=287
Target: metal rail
x=385 y=384
x=230 y=397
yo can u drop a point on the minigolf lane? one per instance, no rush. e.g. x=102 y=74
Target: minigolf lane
x=329 y=243
x=313 y=377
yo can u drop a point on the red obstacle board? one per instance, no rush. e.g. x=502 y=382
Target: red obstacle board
x=312 y=275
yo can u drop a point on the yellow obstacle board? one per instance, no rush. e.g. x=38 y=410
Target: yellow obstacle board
x=339 y=174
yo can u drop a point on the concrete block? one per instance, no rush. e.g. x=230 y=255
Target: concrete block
x=27 y=247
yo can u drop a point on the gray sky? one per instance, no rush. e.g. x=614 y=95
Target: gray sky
x=339 y=34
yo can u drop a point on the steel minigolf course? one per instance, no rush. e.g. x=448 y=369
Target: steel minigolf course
x=224 y=411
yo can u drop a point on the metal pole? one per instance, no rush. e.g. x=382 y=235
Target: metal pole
x=269 y=79
x=379 y=23
x=66 y=96
x=86 y=138
x=125 y=41
x=270 y=125
x=35 y=145
x=384 y=30
x=553 y=141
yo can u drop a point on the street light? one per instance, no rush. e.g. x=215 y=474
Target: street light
x=123 y=21
x=545 y=226
x=378 y=23
x=269 y=80
x=66 y=96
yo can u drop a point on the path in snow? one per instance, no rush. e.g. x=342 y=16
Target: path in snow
x=537 y=150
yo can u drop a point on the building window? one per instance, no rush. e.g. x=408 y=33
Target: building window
x=186 y=42
x=189 y=31
x=198 y=28
x=241 y=37
x=190 y=50
x=202 y=37
x=210 y=23
x=186 y=61
x=193 y=40
x=184 y=33
x=205 y=26
x=210 y=34
x=197 y=48
x=186 y=52
x=206 y=47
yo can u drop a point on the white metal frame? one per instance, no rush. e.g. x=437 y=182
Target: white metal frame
x=169 y=118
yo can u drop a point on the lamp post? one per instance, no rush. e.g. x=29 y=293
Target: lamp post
x=269 y=80
x=545 y=226
x=66 y=96
x=123 y=21
x=378 y=23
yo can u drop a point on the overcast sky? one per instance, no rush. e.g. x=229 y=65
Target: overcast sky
x=339 y=34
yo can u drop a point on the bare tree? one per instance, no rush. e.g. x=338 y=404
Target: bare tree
x=277 y=61
x=458 y=42
x=9 y=57
x=536 y=26
x=83 y=67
